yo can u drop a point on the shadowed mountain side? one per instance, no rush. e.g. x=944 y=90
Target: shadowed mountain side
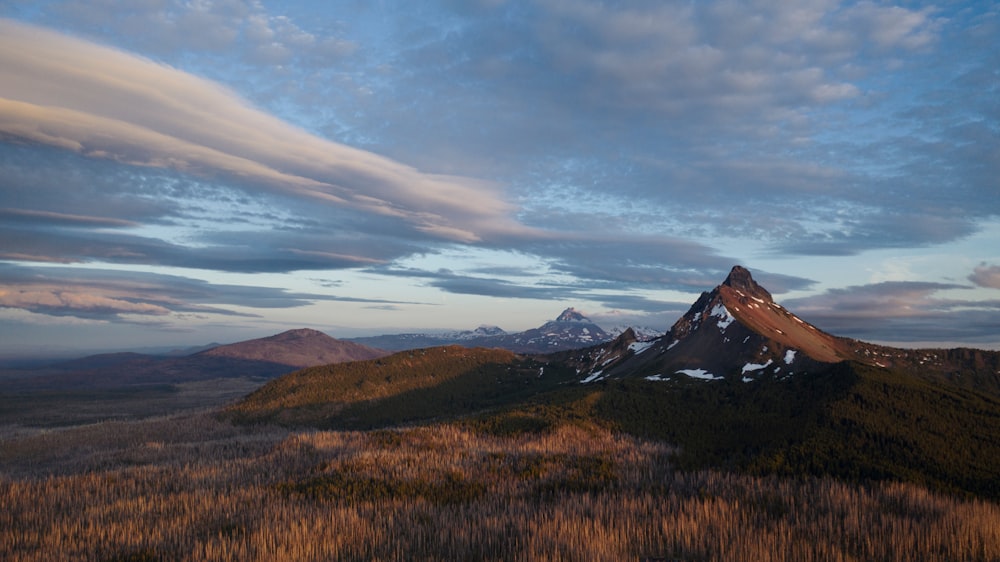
x=416 y=385
x=848 y=420
x=151 y=371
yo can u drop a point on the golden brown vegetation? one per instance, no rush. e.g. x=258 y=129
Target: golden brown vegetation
x=194 y=488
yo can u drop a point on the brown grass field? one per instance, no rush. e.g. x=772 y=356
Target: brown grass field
x=191 y=487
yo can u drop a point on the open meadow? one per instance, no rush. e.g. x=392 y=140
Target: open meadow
x=193 y=487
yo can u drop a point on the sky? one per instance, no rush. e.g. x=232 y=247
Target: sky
x=177 y=172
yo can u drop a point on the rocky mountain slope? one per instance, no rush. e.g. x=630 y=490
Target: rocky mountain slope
x=738 y=331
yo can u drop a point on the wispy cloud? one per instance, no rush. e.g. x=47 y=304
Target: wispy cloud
x=110 y=295
x=986 y=276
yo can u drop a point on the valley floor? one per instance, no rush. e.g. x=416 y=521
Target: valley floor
x=192 y=487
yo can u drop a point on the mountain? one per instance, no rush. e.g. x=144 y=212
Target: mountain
x=737 y=383
x=736 y=328
x=643 y=333
x=295 y=348
x=738 y=331
x=402 y=342
x=570 y=330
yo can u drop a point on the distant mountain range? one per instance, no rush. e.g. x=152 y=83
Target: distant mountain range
x=738 y=382
x=275 y=355
x=570 y=330
x=258 y=358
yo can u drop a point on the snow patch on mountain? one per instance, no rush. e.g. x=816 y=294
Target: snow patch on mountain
x=725 y=317
x=698 y=374
x=640 y=346
x=750 y=367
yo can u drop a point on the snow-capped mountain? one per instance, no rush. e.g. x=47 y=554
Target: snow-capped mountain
x=483 y=331
x=642 y=333
x=734 y=330
x=570 y=330
x=572 y=315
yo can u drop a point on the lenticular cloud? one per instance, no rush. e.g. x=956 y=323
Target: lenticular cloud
x=100 y=102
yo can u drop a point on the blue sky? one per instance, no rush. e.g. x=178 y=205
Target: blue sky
x=177 y=172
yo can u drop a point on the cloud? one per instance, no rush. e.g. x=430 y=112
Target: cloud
x=254 y=252
x=902 y=312
x=458 y=283
x=122 y=296
x=853 y=231
x=50 y=218
x=239 y=26
x=59 y=301
x=893 y=26
x=717 y=116
x=103 y=103
x=986 y=276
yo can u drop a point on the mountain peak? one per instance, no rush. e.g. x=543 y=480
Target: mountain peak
x=572 y=315
x=298 y=333
x=303 y=347
x=740 y=279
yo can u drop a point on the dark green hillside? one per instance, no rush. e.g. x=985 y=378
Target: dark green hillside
x=852 y=421
x=895 y=425
x=855 y=422
x=417 y=385
x=725 y=423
